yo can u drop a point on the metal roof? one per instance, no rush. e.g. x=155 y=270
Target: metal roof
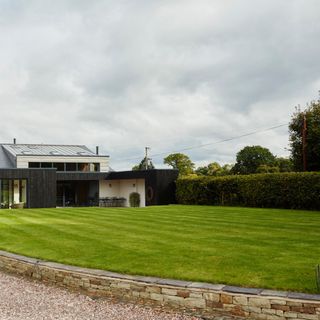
x=5 y=162
x=48 y=150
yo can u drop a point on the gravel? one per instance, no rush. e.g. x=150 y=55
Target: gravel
x=26 y=299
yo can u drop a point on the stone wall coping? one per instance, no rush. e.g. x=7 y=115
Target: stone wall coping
x=166 y=282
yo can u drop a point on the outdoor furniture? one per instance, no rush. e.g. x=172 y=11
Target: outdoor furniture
x=112 y=202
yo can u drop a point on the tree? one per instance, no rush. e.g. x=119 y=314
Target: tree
x=213 y=169
x=284 y=164
x=181 y=162
x=312 y=146
x=142 y=165
x=250 y=158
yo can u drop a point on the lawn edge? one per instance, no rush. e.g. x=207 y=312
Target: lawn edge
x=187 y=295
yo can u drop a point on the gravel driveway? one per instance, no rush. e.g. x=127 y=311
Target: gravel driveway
x=24 y=299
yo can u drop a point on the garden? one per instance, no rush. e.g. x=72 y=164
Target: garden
x=250 y=247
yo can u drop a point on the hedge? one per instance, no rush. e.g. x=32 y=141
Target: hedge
x=272 y=190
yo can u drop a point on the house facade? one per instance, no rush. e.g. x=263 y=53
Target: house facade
x=41 y=176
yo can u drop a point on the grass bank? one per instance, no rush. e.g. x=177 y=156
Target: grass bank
x=267 y=248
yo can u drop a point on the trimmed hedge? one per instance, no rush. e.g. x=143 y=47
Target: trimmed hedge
x=272 y=190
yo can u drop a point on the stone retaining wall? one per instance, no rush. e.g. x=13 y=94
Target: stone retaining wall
x=205 y=298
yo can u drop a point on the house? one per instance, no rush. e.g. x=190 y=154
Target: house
x=44 y=176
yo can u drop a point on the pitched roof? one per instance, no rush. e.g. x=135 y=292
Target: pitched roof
x=48 y=150
x=5 y=162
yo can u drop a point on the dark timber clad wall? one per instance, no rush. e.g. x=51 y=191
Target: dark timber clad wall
x=160 y=184
x=41 y=185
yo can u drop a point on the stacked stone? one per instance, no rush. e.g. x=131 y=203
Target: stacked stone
x=205 y=299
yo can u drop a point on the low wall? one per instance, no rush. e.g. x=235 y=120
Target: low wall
x=203 y=298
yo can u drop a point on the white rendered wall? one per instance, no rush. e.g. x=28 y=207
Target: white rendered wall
x=23 y=161
x=123 y=188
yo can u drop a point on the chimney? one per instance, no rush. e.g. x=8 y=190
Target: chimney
x=14 y=140
x=97 y=150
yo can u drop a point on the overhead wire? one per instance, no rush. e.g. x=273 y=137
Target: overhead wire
x=209 y=143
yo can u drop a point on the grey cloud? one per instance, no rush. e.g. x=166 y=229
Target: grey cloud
x=168 y=74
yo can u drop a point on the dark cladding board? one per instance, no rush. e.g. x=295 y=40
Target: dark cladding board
x=41 y=185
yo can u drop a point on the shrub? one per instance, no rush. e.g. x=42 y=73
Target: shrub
x=134 y=199
x=272 y=190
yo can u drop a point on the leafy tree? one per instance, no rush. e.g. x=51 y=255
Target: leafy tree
x=250 y=158
x=213 y=169
x=181 y=162
x=142 y=165
x=284 y=164
x=312 y=114
x=267 y=169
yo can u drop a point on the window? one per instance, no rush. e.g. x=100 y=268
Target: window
x=95 y=167
x=13 y=193
x=34 y=164
x=59 y=166
x=83 y=167
x=67 y=166
x=46 y=164
x=71 y=166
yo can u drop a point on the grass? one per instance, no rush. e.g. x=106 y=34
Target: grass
x=268 y=248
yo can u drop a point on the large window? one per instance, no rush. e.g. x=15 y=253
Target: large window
x=13 y=193
x=67 y=166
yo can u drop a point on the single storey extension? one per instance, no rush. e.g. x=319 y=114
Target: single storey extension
x=44 y=176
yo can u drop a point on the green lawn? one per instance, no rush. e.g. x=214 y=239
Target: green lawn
x=267 y=248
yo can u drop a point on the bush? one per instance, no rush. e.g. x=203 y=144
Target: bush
x=134 y=199
x=272 y=190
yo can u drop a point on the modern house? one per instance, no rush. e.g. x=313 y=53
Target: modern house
x=40 y=175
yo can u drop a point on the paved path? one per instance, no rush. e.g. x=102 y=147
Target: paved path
x=21 y=299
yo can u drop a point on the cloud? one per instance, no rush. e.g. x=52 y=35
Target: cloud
x=164 y=74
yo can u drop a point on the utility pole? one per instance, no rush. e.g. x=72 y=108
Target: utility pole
x=304 y=143
x=146 y=157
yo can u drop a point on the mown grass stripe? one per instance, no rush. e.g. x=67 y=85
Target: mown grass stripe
x=242 y=246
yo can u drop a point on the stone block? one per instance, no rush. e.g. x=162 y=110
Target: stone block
x=257 y=316
x=137 y=288
x=308 y=310
x=252 y=309
x=156 y=297
x=289 y=314
x=259 y=302
x=280 y=307
x=214 y=304
x=303 y=296
x=197 y=295
x=183 y=294
x=174 y=300
x=209 y=286
x=274 y=293
x=268 y=311
x=169 y=292
x=241 y=300
x=226 y=298
x=312 y=305
x=279 y=313
x=121 y=285
x=308 y=316
x=194 y=303
x=153 y=289
x=238 y=311
x=233 y=289
x=212 y=296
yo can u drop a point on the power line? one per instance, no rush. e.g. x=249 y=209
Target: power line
x=210 y=143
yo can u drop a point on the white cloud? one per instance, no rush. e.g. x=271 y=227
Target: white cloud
x=167 y=74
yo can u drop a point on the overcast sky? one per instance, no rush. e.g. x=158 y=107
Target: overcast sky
x=167 y=74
